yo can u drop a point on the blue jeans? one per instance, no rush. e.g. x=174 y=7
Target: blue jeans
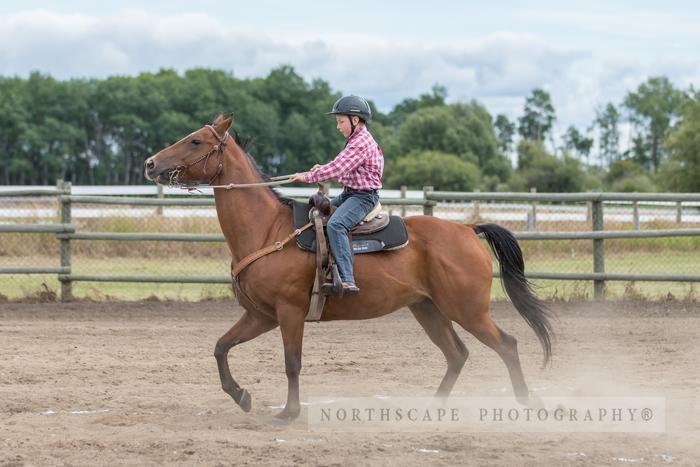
x=353 y=206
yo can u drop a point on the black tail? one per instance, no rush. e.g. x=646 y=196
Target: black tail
x=518 y=288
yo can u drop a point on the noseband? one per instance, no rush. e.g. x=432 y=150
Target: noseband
x=216 y=148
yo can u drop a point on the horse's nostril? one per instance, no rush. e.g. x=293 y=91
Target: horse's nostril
x=150 y=164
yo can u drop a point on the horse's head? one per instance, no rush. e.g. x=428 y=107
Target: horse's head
x=187 y=161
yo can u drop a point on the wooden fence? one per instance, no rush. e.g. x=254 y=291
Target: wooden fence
x=66 y=231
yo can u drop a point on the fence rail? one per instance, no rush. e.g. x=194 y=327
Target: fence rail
x=603 y=234
x=66 y=232
x=553 y=197
x=143 y=236
x=37 y=228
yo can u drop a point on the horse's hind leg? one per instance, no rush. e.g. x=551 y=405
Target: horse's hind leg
x=505 y=345
x=441 y=332
x=245 y=329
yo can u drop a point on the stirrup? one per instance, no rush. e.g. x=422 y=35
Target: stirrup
x=349 y=288
x=333 y=285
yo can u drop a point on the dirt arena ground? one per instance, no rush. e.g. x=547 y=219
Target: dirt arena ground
x=136 y=384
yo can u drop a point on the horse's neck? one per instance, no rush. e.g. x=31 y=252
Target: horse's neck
x=250 y=218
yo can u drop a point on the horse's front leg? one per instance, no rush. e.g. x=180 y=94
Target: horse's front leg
x=245 y=329
x=291 y=320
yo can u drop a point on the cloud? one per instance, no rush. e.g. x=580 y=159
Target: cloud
x=499 y=69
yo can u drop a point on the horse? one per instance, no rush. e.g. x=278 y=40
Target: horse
x=443 y=275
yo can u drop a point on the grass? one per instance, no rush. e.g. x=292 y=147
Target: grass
x=679 y=255
x=19 y=286
x=19 y=244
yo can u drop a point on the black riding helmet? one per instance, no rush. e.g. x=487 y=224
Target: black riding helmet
x=352 y=105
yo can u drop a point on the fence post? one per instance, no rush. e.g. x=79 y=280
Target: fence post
x=532 y=220
x=635 y=215
x=679 y=212
x=66 y=285
x=403 y=196
x=427 y=204
x=159 y=195
x=598 y=249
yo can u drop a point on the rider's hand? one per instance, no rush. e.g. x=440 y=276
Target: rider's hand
x=316 y=166
x=297 y=177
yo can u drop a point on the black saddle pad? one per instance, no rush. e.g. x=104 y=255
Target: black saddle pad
x=392 y=237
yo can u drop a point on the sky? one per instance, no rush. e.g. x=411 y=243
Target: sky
x=585 y=54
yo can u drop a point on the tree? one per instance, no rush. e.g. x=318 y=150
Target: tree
x=627 y=175
x=461 y=129
x=577 y=143
x=653 y=108
x=505 y=131
x=387 y=139
x=538 y=116
x=408 y=106
x=304 y=135
x=99 y=131
x=546 y=172
x=606 y=121
x=433 y=168
x=14 y=117
x=286 y=89
x=680 y=172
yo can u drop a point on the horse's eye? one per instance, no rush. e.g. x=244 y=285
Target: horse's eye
x=196 y=142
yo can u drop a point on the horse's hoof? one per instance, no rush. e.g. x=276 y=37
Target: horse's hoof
x=245 y=402
x=531 y=401
x=285 y=417
x=281 y=421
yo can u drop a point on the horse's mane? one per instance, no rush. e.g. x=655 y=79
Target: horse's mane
x=246 y=143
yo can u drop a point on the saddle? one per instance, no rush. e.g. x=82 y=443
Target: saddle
x=374 y=221
x=384 y=232
x=378 y=231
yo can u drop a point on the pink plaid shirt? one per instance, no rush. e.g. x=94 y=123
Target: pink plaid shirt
x=360 y=165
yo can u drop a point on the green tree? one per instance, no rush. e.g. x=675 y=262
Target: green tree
x=99 y=131
x=432 y=168
x=539 y=169
x=14 y=118
x=628 y=175
x=305 y=134
x=538 y=116
x=681 y=171
x=653 y=108
x=606 y=121
x=387 y=139
x=505 y=131
x=47 y=138
x=577 y=143
x=405 y=108
x=461 y=129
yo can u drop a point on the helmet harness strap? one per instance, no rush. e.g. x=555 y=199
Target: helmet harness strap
x=352 y=126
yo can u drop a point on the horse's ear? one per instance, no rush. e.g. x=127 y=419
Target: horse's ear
x=223 y=122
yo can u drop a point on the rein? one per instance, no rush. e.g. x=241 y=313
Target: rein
x=281 y=180
x=219 y=149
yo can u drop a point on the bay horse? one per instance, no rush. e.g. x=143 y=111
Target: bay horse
x=443 y=275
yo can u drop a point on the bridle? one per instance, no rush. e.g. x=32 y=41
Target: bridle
x=217 y=148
